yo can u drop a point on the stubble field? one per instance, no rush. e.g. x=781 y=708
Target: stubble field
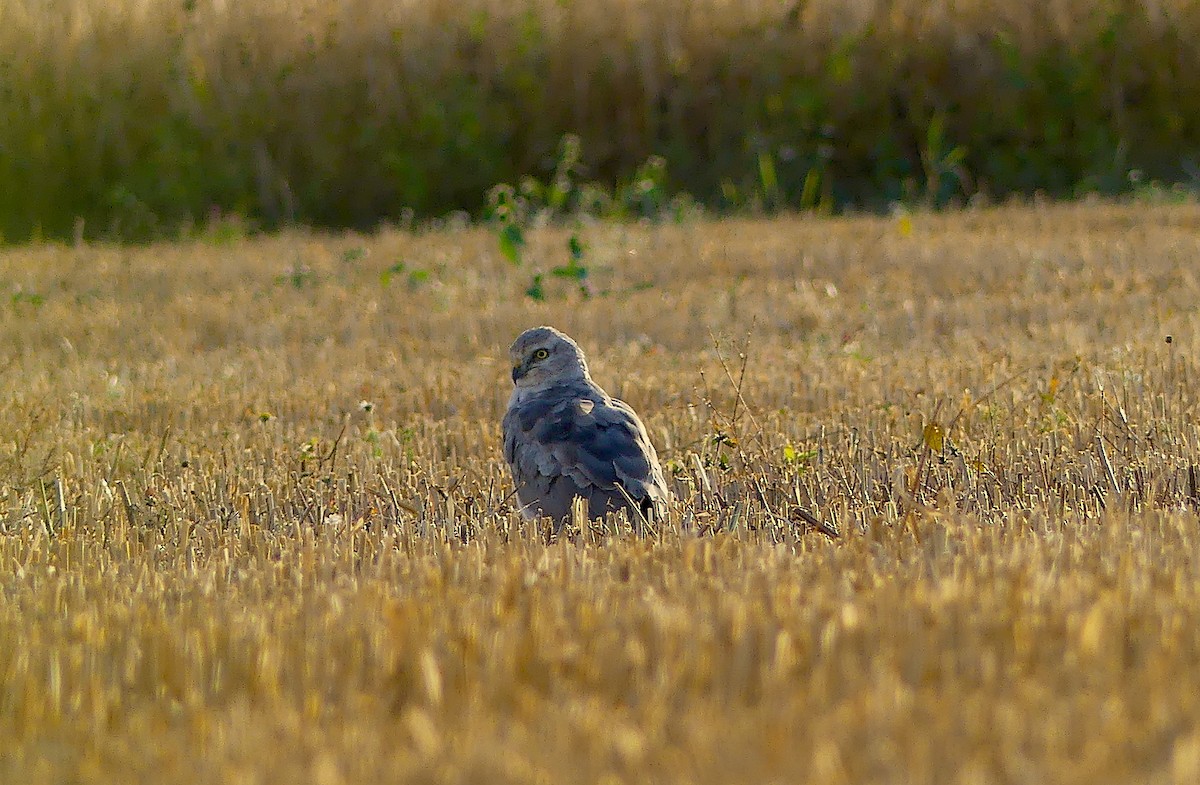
x=255 y=526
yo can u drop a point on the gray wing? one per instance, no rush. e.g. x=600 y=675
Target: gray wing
x=580 y=434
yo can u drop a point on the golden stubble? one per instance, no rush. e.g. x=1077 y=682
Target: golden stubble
x=256 y=526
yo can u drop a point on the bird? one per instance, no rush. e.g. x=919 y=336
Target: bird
x=566 y=438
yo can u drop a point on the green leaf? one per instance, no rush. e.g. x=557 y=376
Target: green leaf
x=810 y=194
x=767 y=177
x=935 y=135
x=571 y=272
x=536 y=291
x=512 y=240
x=31 y=298
x=386 y=276
x=794 y=457
x=954 y=157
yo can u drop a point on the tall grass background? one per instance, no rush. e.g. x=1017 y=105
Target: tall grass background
x=138 y=118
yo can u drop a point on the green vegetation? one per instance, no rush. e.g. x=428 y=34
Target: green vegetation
x=131 y=120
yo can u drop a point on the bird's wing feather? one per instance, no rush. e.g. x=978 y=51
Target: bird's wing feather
x=528 y=464
x=582 y=434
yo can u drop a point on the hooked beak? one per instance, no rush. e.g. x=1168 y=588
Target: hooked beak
x=517 y=372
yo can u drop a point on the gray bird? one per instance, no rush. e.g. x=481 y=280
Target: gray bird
x=564 y=437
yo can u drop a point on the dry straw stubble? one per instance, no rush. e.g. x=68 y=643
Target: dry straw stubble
x=284 y=548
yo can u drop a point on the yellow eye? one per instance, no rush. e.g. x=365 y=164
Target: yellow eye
x=541 y=354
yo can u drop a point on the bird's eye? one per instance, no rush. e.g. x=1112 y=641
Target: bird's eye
x=541 y=354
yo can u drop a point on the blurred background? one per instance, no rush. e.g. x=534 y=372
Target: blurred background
x=140 y=119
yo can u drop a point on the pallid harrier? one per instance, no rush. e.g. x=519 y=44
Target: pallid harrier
x=564 y=437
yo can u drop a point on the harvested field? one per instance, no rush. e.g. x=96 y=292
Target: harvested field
x=255 y=525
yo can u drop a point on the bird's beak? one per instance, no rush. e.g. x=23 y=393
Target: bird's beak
x=517 y=372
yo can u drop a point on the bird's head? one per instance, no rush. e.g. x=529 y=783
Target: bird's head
x=543 y=355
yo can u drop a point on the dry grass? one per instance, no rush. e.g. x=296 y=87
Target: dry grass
x=217 y=565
